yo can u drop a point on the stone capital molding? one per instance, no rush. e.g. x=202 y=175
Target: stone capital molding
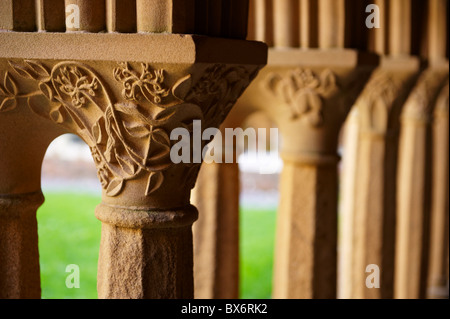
x=134 y=218
x=309 y=95
x=11 y=204
x=382 y=97
x=419 y=106
x=442 y=104
x=126 y=111
x=303 y=91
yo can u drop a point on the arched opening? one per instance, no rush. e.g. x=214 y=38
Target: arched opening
x=69 y=233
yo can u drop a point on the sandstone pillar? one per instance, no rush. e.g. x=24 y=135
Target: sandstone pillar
x=121 y=16
x=145 y=254
x=306 y=254
x=308 y=96
x=216 y=234
x=415 y=169
x=50 y=15
x=379 y=107
x=438 y=268
x=18 y=15
x=414 y=182
x=127 y=106
x=19 y=256
x=347 y=204
x=85 y=15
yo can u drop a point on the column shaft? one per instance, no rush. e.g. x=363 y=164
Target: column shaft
x=216 y=233
x=91 y=14
x=331 y=24
x=145 y=254
x=286 y=23
x=305 y=256
x=347 y=204
x=19 y=255
x=439 y=245
x=50 y=15
x=17 y=15
x=374 y=219
x=121 y=16
x=414 y=185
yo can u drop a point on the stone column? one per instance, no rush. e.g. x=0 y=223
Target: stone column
x=121 y=16
x=379 y=107
x=134 y=110
x=18 y=15
x=414 y=182
x=145 y=254
x=217 y=197
x=91 y=14
x=50 y=15
x=175 y=16
x=308 y=94
x=438 y=268
x=216 y=234
x=19 y=256
x=347 y=204
x=306 y=253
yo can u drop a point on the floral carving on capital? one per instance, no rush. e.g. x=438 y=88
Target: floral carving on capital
x=128 y=132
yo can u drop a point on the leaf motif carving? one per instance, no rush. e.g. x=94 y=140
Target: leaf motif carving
x=114 y=187
x=57 y=115
x=127 y=166
x=8 y=104
x=8 y=93
x=155 y=181
x=31 y=70
x=129 y=137
x=9 y=85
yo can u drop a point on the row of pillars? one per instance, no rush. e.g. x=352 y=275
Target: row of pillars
x=216 y=18
x=328 y=24
x=394 y=188
x=331 y=81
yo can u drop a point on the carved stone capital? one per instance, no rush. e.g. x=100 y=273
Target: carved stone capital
x=308 y=94
x=124 y=94
x=125 y=112
x=419 y=106
x=381 y=100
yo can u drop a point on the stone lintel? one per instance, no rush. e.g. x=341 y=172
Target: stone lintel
x=151 y=48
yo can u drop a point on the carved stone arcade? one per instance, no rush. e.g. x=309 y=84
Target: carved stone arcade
x=124 y=104
x=125 y=90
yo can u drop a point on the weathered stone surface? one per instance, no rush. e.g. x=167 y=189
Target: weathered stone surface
x=379 y=107
x=19 y=256
x=145 y=254
x=121 y=16
x=439 y=244
x=216 y=233
x=413 y=193
x=125 y=108
x=17 y=15
x=91 y=13
x=50 y=15
x=308 y=96
x=305 y=256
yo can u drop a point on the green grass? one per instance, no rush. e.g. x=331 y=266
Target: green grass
x=257 y=230
x=69 y=234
